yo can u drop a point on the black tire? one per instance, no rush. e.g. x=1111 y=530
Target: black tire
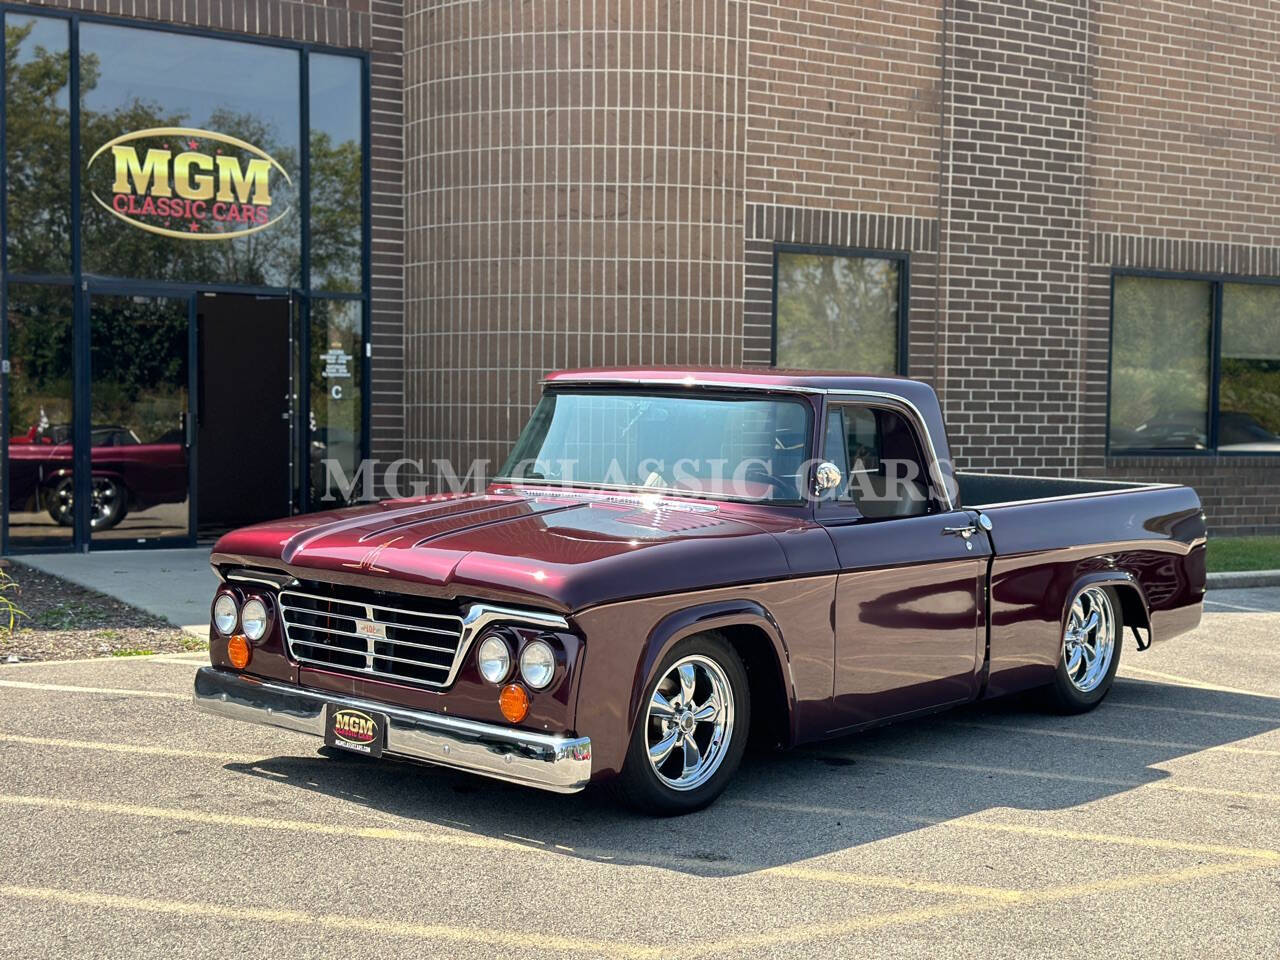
x=1066 y=694
x=110 y=502
x=639 y=784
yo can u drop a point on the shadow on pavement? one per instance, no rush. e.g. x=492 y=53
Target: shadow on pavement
x=789 y=806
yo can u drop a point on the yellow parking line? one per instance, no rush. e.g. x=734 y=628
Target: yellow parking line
x=809 y=932
x=1215 y=714
x=993 y=826
x=102 y=658
x=793 y=872
x=135 y=748
x=1130 y=741
x=1154 y=843
x=113 y=691
x=999 y=894
x=511 y=940
x=873 y=921
x=260 y=823
x=1198 y=684
x=1054 y=775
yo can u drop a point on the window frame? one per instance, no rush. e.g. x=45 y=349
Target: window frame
x=846 y=511
x=1216 y=282
x=901 y=257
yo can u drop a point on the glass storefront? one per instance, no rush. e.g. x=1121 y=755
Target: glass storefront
x=191 y=136
x=185 y=246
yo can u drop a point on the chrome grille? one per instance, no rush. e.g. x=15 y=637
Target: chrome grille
x=350 y=635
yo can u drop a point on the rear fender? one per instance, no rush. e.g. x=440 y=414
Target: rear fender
x=1133 y=601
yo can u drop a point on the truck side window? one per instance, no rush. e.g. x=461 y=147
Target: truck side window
x=887 y=472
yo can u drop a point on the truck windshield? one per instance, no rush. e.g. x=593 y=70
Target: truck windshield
x=743 y=448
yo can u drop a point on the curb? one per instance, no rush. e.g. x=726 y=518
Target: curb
x=1237 y=580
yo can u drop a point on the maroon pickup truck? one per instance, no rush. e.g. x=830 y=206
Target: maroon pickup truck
x=672 y=562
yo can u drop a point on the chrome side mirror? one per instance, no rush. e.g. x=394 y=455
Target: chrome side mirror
x=826 y=477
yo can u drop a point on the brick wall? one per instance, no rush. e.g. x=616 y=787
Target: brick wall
x=843 y=147
x=1013 y=233
x=371 y=25
x=1183 y=176
x=574 y=180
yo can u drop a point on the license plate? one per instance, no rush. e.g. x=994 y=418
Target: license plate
x=359 y=731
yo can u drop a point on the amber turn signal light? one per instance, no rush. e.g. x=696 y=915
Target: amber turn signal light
x=513 y=701
x=238 y=651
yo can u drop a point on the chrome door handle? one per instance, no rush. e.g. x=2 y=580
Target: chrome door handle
x=965 y=532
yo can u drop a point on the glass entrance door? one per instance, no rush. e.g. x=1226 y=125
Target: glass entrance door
x=140 y=417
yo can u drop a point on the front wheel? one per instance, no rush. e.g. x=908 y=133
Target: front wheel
x=1090 y=652
x=692 y=729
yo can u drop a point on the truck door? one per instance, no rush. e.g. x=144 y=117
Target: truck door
x=909 y=607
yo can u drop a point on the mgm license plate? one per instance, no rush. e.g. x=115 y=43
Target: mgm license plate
x=357 y=730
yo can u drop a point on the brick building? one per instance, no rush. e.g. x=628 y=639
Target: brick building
x=988 y=196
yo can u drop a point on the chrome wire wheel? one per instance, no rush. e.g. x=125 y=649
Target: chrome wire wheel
x=689 y=723
x=1089 y=641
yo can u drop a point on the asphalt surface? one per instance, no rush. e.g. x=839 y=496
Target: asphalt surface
x=135 y=827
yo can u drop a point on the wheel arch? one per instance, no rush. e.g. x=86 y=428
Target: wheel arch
x=1133 y=600
x=755 y=636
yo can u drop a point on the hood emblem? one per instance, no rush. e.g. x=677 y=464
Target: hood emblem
x=369 y=562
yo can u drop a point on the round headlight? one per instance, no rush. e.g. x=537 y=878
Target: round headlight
x=224 y=613
x=253 y=619
x=494 y=659
x=537 y=664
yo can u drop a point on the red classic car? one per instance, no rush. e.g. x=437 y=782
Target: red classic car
x=673 y=562
x=127 y=474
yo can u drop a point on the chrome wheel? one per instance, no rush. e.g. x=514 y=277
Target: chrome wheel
x=106 y=503
x=689 y=723
x=1089 y=642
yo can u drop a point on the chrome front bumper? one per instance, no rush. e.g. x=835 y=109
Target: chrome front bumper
x=560 y=764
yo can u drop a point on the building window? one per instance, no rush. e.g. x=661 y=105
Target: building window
x=840 y=312
x=1249 y=382
x=1195 y=365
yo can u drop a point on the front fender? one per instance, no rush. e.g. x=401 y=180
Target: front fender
x=699 y=619
x=625 y=643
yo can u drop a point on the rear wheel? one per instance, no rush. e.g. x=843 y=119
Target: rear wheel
x=692 y=729
x=1090 y=651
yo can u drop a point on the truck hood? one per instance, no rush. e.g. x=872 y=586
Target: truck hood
x=562 y=549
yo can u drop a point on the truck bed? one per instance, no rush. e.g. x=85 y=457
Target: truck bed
x=979 y=490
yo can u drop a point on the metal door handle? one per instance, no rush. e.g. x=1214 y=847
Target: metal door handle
x=965 y=532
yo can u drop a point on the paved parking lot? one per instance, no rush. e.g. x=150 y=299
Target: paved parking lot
x=135 y=827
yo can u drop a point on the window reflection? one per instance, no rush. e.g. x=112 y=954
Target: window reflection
x=40 y=408
x=337 y=347
x=139 y=417
x=225 y=159
x=336 y=172
x=837 y=313
x=38 y=144
x=1160 y=363
x=1249 y=390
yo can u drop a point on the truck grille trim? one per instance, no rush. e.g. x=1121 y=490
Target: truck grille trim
x=372 y=639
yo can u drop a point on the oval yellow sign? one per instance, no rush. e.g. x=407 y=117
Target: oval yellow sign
x=354 y=726
x=189 y=184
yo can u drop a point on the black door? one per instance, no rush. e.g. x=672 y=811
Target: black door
x=243 y=411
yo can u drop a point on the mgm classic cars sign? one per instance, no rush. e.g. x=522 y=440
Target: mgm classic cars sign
x=187 y=183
